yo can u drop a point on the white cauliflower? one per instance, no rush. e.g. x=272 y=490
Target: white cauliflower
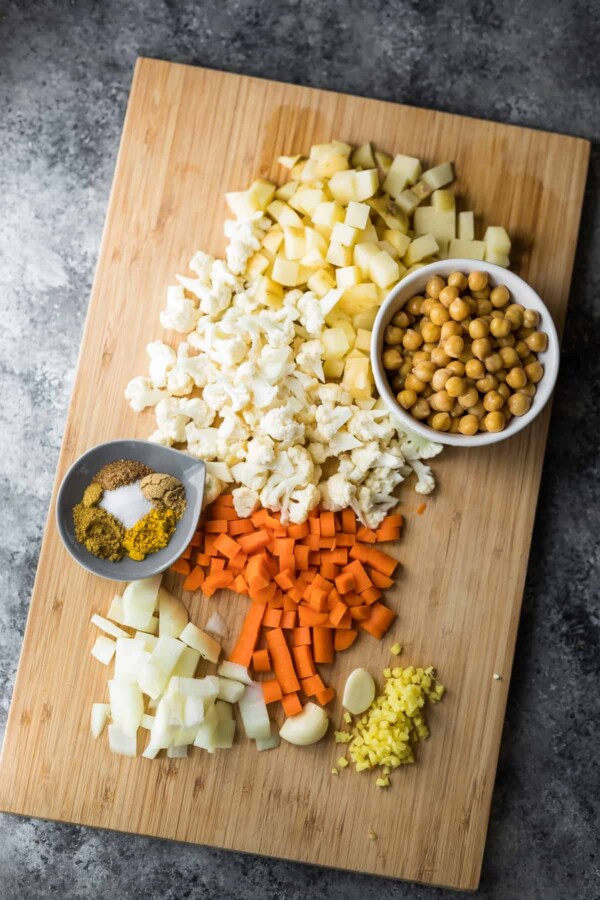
x=300 y=504
x=180 y=313
x=202 y=442
x=309 y=360
x=201 y=263
x=162 y=359
x=171 y=421
x=212 y=489
x=311 y=314
x=215 y=396
x=277 y=424
x=332 y=395
x=245 y=501
x=244 y=236
x=426 y=482
x=413 y=446
x=329 y=420
x=179 y=382
x=261 y=451
x=197 y=410
x=337 y=492
x=364 y=426
x=254 y=477
x=141 y=393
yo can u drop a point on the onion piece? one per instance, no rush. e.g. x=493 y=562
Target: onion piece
x=217 y=625
x=207 y=647
x=130 y=658
x=205 y=738
x=177 y=752
x=172 y=614
x=271 y=742
x=126 y=706
x=100 y=716
x=104 y=649
x=121 y=743
x=234 y=671
x=139 y=602
x=115 y=610
x=147 y=721
x=254 y=713
x=108 y=627
x=157 y=669
x=187 y=663
x=231 y=691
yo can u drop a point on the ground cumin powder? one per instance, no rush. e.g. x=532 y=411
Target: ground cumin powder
x=121 y=472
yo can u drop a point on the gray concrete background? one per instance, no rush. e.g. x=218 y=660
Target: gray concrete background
x=65 y=72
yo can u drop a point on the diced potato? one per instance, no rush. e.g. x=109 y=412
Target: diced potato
x=318 y=151
x=466 y=249
x=398 y=240
x=439 y=223
x=404 y=171
x=326 y=215
x=363 y=340
x=383 y=269
x=284 y=214
x=241 y=204
x=314 y=240
x=262 y=192
x=332 y=162
x=343 y=147
x=466 y=226
x=321 y=281
x=306 y=199
x=357 y=378
x=330 y=301
x=438 y=176
x=294 y=243
x=268 y=292
x=333 y=368
x=344 y=234
x=389 y=248
x=357 y=215
x=363 y=254
x=444 y=245
x=415 y=267
x=408 y=201
x=496 y=240
x=314 y=259
x=347 y=277
x=422 y=190
x=288 y=162
x=420 y=248
x=393 y=217
x=273 y=239
x=286 y=190
x=256 y=265
x=309 y=170
x=359 y=298
x=363 y=157
x=366 y=184
x=335 y=343
x=384 y=163
x=369 y=234
x=342 y=187
x=355 y=353
x=366 y=319
x=498 y=259
x=298 y=168
x=443 y=201
x=338 y=255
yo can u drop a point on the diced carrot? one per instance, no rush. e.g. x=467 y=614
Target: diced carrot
x=223 y=512
x=216 y=580
x=248 y=637
x=276 y=601
x=216 y=526
x=326 y=696
x=282 y=661
x=285 y=579
x=360 y=613
x=238 y=563
x=272 y=618
x=327 y=524
x=312 y=685
x=379 y=621
x=181 y=566
x=254 y=543
x=224 y=500
x=345 y=582
x=362 y=580
x=349 y=521
x=314 y=542
x=379 y=580
x=298 y=531
x=194 y=579
x=287 y=562
x=187 y=553
x=329 y=570
x=385 y=535
x=323 y=645
x=338 y=611
x=289 y=619
x=289 y=604
x=371 y=595
x=263 y=595
x=421 y=509
x=377 y=559
x=284 y=546
x=301 y=554
x=227 y=546
x=203 y=559
x=393 y=521
x=305 y=664
x=301 y=637
x=257 y=574
x=272 y=691
x=353 y=599
x=314 y=558
x=291 y=704
x=345 y=540
x=307 y=616
x=367 y=535
x=239 y=585
x=261 y=661
x=295 y=594
x=216 y=564
x=343 y=639
x=196 y=540
x=209 y=545
x=345 y=621
x=315 y=526
x=259 y=517
x=240 y=526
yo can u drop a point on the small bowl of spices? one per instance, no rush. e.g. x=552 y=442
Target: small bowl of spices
x=127 y=509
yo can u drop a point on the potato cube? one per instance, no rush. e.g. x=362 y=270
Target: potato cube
x=262 y=192
x=284 y=214
x=321 y=281
x=294 y=244
x=359 y=298
x=347 y=277
x=288 y=162
x=498 y=259
x=309 y=170
x=317 y=151
x=443 y=201
x=335 y=343
x=389 y=248
x=314 y=259
x=444 y=245
x=422 y=190
x=330 y=301
x=344 y=234
x=256 y=265
x=286 y=271
x=439 y=223
x=268 y=292
x=327 y=214
x=408 y=201
x=369 y=234
x=363 y=157
x=306 y=199
x=466 y=226
x=398 y=240
x=314 y=240
x=404 y=171
x=332 y=162
x=333 y=368
x=337 y=319
x=355 y=353
x=342 y=187
x=438 y=176
x=357 y=215
x=338 y=255
x=420 y=248
x=363 y=253
x=466 y=249
x=383 y=269
x=366 y=184
x=384 y=163
x=242 y=204
x=363 y=340
x=496 y=239
x=286 y=190
x=357 y=378
x=298 y=168
x=343 y=147
x=273 y=239
x=394 y=218
x=366 y=319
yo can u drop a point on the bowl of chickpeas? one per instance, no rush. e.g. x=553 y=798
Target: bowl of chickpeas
x=464 y=352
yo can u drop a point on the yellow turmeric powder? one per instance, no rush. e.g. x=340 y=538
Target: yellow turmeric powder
x=150 y=534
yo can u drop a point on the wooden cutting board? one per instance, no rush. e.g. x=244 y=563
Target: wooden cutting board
x=189 y=135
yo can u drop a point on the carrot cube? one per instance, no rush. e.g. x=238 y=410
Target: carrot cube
x=271 y=691
x=291 y=704
x=261 y=661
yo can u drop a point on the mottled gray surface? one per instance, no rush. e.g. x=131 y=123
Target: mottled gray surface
x=65 y=71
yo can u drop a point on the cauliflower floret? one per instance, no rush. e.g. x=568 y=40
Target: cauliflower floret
x=214 y=300
x=201 y=263
x=199 y=367
x=212 y=488
x=198 y=411
x=244 y=239
x=254 y=477
x=141 y=393
x=328 y=422
x=261 y=451
x=162 y=359
x=281 y=427
x=302 y=462
x=337 y=492
x=275 y=363
x=311 y=314
x=202 y=442
x=157 y=437
x=309 y=360
x=365 y=457
x=364 y=427
x=215 y=396
x=301 y=503
x=180 y=313
x=319 y=452
x=245 y=501
x=232 y=428
x=426 y=482
x=333 y=395
x=179 y=383
x=413 y=446
x=171 y=421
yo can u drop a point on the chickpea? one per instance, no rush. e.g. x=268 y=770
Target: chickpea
x=531 y=318
x=508 y=341
x=509 y=357
x=454 y=426
x=448 y=295
x=479 y=328
x=538 y=341
x=439 y=357
x=459 y=309
x=515 y=308
x=412 y=340
x=470 y=397
x=450 y=328
x=468 y=425
x=400 y=320
x=407 y=398
x=420 y=356
x=406 y=367
x=477 y=410
x=529 y=389
x=424 y=370
x=523 y=333
x=427 y=392
x=474 y=369
x=430 y=346
x=441 y=421
x=434 y=286
x=421 y=409
x=454 y=346
x=482 y=423
x=477 y=281
x=431 y=333
x=489 y=383
x=500 y=327
x=414 y=305
x=495 y=421
x=534 y=372
x=493 y=363
x=516 y=378
x=397 y=382
x=493 y=401
x=519 y=404
x=500 y=296
x=458 y=280
x=456 y=410
x=456 y=367
x=481 y=348
x=484 y=307
x=522 y=349
x=504 y=391
x=438 y=314
x=482 y=295
x=456 y=386
x=501 y=375
x=440 y=377
x=441 y=401
x=393 y=335
x=506 y=413
x=427 y=305
x=529 y=359
x=412 y=383
x=392 y=359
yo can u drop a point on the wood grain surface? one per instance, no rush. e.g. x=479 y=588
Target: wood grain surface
x=189 y=135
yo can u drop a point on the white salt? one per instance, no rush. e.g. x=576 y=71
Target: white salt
x=127 y=504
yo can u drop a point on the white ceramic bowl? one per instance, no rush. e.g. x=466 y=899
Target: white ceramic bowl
x=520 y=292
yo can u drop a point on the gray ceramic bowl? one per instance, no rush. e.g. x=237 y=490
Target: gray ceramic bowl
x=191 y=472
